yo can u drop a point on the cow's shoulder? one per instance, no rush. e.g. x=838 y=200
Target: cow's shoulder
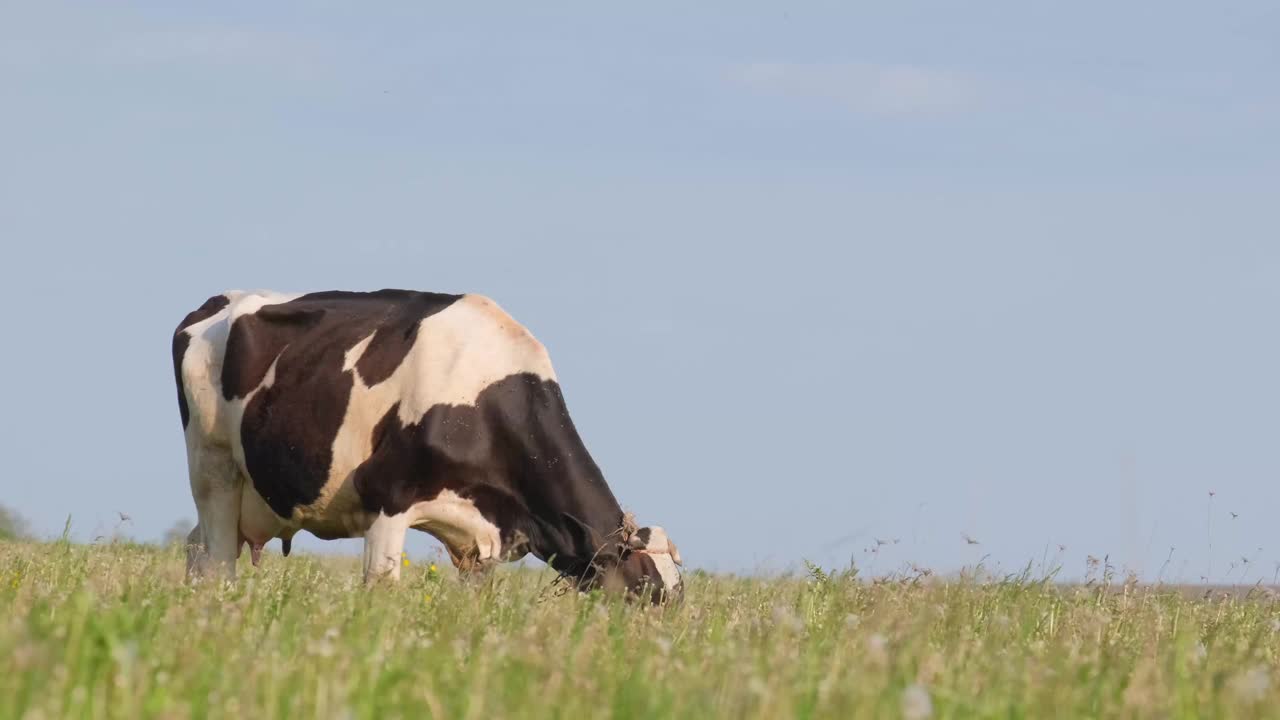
x=491 y=330
x=462 y=350
x=520 y=338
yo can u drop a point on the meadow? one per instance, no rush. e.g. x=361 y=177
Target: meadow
x=112 y=631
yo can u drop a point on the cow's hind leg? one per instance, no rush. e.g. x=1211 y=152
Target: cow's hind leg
x=215 y=485
x=384 y=546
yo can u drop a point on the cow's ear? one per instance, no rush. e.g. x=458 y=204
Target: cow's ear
x=586 y=539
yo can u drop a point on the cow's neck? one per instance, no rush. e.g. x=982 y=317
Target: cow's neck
x=572 y=516
x=578 y=526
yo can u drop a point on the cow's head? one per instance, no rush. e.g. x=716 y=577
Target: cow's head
x=642 y=562
x=650 y=566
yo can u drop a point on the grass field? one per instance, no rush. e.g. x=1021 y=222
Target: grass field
x=112 y=631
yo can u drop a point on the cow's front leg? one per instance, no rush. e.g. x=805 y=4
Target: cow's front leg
x=383 y=546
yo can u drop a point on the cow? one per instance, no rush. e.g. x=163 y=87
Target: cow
x=365 y=414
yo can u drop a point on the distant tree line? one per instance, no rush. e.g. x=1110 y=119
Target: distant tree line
x=15 y=527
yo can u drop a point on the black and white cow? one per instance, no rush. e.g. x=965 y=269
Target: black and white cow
x=352 y=414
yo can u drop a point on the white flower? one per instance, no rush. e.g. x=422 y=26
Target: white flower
x=1199 y=652
x=878 y=648
x=784 y=617
x=1252 y=686
x=916 y=704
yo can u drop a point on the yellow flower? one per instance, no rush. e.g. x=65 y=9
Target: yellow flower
x=432 y=569
x=426 y=598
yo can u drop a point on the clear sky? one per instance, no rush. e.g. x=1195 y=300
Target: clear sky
x=810 y=273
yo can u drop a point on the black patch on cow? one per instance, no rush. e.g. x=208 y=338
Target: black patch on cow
x=396 y=335
x=182 y=340
x=288 y=429
x=256 y=340
x=517 y=455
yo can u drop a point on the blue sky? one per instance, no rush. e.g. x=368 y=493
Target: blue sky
x=810 y=274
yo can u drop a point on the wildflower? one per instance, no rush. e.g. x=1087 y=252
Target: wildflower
x=1145 y=686
x=404 y=559
x=878 y=648
x=930 y=668
x=1199 y=653
x=784 y=617
x=23 y=656
x=426 y=599
x=916 y=704
x=432 y=570
x=1252 y=686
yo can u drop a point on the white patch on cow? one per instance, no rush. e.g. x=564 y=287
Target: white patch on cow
x=243 y=303
x=462 y=350
x=202 y=374
x=667 y=569
x=352 y=356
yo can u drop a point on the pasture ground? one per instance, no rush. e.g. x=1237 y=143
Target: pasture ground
x=112 y=631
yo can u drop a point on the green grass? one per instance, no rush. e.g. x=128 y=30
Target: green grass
x=112 y=631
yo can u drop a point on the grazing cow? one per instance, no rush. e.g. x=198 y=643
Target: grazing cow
x=351 y=414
